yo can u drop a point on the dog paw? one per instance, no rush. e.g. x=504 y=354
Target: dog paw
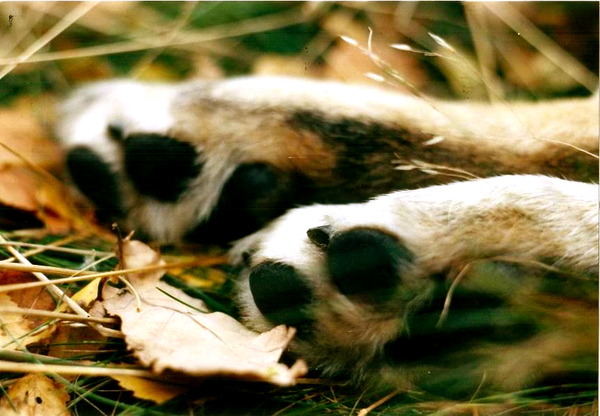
x=410 y=288
x=126 y=153
x=344 y=282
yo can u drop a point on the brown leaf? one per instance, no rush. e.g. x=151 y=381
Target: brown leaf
x=150 y=389
x=17 y=189
x=41 y=196
x=74 y=342
x=35 y=395
x=18 y=329
x=205 y=278
x=21 y=132
x=71 y=341
x=87 y=294
x=27 y=154
x=34 y=298
x=171 y=331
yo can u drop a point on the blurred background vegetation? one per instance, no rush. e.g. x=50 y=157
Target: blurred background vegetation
x=455 y=50
x=517 y=49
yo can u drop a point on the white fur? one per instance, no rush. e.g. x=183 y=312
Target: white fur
x=136 y=107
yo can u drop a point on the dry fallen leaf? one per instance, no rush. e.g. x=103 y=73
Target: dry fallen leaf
x=27 y=154
x=40 y=195
x=18 y=329
x=35 y=395
x=145 y=389
x=73 y=341
x=35 y=298
x=204 y=278
x=87 y=294
x=25 y=136
x=17 y=188
x=168 y=330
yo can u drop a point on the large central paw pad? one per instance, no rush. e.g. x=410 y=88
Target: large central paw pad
x=160 y=167
x=366 y=263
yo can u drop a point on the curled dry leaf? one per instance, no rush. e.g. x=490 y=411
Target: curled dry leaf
x=41 y=197
x=34 y=395
x=87 y=294
x=168 y=330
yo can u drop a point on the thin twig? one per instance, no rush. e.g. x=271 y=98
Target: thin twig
x=62 y=296
x=176 y=27
x=8 y=366
x=74 y=15
x=58 y=271
x=249 y=26
x=94 y=264
x=56 y=315
x=367 y=410
x=39 y=248
x=202 y=262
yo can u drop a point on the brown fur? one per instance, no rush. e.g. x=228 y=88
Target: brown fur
x=310 y=133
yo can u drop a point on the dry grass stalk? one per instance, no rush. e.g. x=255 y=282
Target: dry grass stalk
x=9 y=366
x=204 y=261
x=58 y=315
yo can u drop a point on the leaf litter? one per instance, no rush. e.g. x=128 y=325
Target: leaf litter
x=16 y=329
x=169 y=332
x=35 y=394
x=175 y=334
x=28 y=189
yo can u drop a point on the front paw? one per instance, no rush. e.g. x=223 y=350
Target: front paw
x=140 y=168
x=363 y=265
x=345 y=288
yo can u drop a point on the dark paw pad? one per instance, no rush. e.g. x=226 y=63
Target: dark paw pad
x=366 y=263
x=115 y=132
x=280 y=293
x=96 y=180
x=254 y=195
x=320 y=236
x=160 y=167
